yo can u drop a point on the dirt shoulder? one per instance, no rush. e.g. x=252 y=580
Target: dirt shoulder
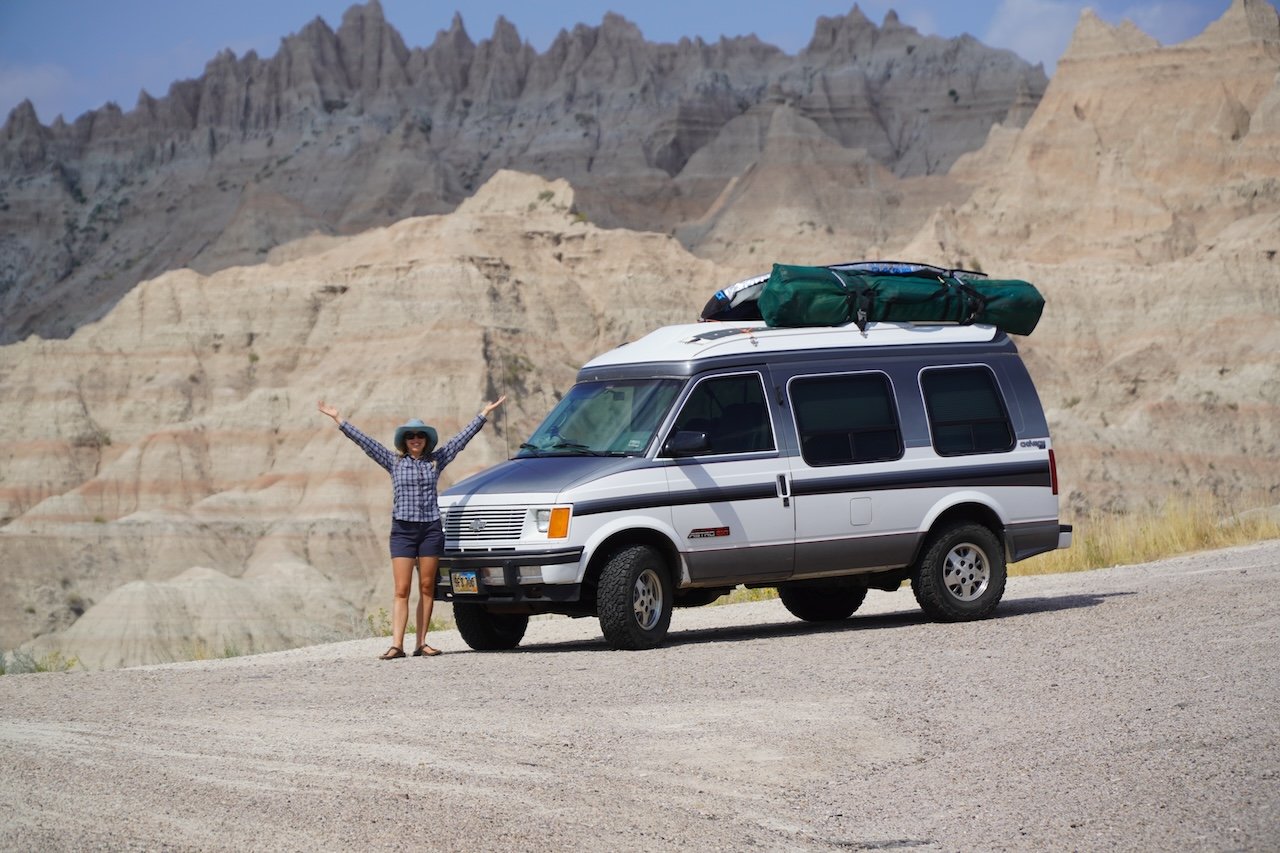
x=1129 y=708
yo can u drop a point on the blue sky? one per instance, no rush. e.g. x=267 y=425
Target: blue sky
x=69 y=56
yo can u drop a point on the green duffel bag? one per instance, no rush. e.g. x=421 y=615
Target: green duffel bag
x=913 y=298
x=805 y=296
x=1009 y=304
x=820 y=296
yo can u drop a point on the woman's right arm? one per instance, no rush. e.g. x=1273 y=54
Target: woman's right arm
x=326 y=409
x=372 y=448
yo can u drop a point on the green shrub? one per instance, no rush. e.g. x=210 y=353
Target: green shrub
x=22 y=663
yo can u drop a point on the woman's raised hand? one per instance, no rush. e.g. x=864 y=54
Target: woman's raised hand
x=495 y=404
x=326 y=409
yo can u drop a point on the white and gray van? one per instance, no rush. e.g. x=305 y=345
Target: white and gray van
x=820 y=461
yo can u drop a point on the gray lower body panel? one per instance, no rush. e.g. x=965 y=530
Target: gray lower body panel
x=855 y=554
x=739 y=565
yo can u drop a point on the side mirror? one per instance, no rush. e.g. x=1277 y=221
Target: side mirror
x=687 y=443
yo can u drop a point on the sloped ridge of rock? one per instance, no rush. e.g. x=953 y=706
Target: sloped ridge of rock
x=1095 y=38
x=1244 y=21
x=181 y=430
x=203 y=613
x=1137 y=152
x=355 y=130
x=1142 y=196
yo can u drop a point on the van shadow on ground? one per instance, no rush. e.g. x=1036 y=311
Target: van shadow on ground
x=796 y=628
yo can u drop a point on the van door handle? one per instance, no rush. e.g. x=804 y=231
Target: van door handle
x=784 y=491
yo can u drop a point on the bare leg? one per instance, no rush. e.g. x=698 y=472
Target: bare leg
x=422 y=606
x=402 y=573
x=427 y=568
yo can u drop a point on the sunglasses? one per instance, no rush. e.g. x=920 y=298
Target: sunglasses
x=410 y=436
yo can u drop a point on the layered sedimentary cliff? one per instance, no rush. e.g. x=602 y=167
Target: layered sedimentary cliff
x=181 y=430
x=1138 y=152
x=167 y=489
x=344 y=130
x=1145 y=191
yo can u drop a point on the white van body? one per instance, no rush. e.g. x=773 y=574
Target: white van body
x=821 y=461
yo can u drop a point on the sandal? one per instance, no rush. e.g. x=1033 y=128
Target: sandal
x=426 y=651
x=392 y=653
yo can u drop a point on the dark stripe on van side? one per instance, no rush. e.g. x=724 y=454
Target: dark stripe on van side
x=693 y=496
x=1008 y=474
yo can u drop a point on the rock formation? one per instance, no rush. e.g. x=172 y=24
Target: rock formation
x=1137 y=152
x=167 y=488
x=343 y=130
x=181 y=431
x=1143 y=196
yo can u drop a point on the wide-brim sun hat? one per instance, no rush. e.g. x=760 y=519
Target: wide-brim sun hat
x=416 y=425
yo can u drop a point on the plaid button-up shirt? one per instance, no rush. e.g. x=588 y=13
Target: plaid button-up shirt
x=414 y=481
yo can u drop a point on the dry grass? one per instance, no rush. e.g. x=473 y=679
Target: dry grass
x=1179 y=526
x=742 y=593
x=20 y=662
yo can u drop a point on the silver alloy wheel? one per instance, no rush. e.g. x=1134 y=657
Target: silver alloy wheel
x=966 y=571
x=648 y=599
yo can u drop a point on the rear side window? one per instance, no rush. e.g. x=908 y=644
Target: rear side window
x=846 y=419
x=966 y=413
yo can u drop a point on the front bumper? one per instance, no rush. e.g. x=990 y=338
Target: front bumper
x=507 y=577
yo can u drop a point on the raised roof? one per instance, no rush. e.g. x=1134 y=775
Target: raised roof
x=694 y=341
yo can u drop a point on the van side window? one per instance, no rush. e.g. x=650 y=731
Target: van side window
x=732 y=411
x=846 y=419
x=966 y=412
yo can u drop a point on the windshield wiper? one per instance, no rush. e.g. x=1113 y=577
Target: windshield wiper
x=532 y=448
x=573 y=445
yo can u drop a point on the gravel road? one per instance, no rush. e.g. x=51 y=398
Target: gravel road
x=1135 y=708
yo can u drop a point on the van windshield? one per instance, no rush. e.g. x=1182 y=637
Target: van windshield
x=616 y=418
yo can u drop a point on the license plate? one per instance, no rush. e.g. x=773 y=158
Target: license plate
x=465 y=582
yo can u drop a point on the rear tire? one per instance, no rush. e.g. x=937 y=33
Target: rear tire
x=489 y=632
x=634 y=598
x=961 y=575
x=822 y=601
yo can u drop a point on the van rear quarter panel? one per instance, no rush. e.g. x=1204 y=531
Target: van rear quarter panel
x=875 y=515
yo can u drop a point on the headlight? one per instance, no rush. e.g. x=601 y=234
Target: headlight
x=553 y=522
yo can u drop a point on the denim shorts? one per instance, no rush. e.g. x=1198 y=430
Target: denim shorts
x=416 y=538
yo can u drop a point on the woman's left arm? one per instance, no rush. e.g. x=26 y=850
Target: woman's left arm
x=451 y=448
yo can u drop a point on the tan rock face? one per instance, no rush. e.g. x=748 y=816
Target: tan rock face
x=1143 y=197
x=1137 y=153
x=203 y=613
x=345 y=130
x=1161 y=381
x=799 y=196
x=180 y=431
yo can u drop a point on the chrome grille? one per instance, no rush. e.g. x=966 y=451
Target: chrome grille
x=482 y=524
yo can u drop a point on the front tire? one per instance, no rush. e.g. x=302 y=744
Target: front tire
x=489 y=632
x=635 y=598
x=822 y=601
x=961 y=575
